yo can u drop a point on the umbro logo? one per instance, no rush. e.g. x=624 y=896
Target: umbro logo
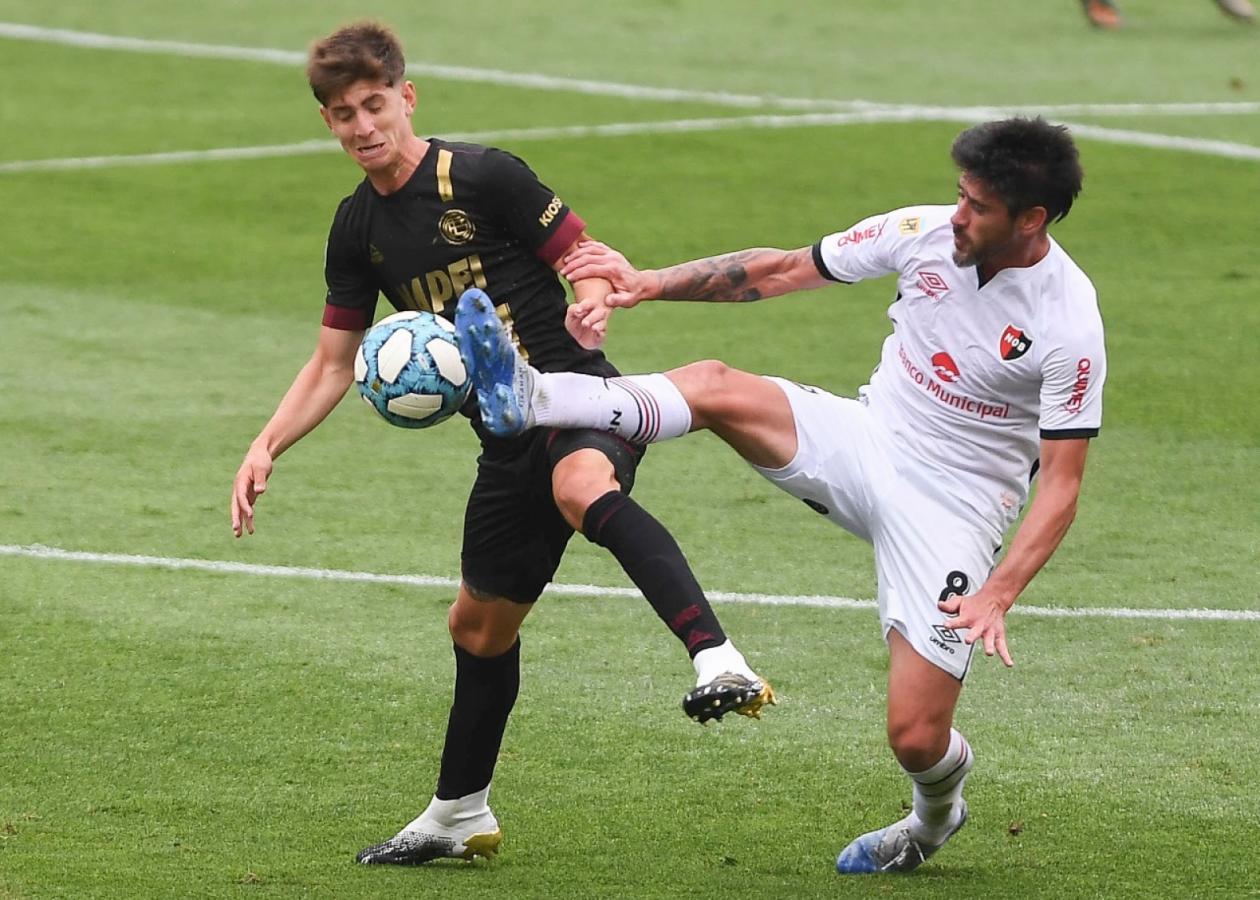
x=932 y=284
x=947 y=634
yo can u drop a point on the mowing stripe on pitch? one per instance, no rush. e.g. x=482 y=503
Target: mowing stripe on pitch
x=619 y=129
x=538 y=81
x=535 y=81
x=38 y=551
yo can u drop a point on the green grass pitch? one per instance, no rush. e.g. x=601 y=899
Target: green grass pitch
x=180 y=733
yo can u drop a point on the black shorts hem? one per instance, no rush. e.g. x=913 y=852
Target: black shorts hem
x=510 y=586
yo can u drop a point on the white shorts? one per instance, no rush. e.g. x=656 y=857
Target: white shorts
x=927 y=547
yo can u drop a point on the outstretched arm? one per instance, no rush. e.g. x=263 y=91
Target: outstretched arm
x=318 y=388
x=741 y=276
x=1051 y=513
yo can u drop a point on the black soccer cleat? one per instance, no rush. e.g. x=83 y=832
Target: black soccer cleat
x=729 y=692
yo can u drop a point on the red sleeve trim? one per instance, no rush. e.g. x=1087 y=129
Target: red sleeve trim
x=570 y=229
x=345 y=318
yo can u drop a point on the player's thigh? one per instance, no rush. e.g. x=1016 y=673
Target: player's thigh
x=514 y=536
x=841 y=464
x=749 y=412
x=926 y=551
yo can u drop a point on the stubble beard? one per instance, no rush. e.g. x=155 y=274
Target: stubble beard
x=964 y=260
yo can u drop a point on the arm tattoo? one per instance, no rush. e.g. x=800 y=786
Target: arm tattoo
x=722 y=278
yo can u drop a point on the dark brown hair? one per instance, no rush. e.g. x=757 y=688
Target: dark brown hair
x=1026 y=162
x=363 y=51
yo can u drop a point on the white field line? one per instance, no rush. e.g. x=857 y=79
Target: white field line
x=830 y=112
x=95 y=41
x=18 y=31
x=619 y=129
x=38 y=551
x=1204 y=146
x=218 y=154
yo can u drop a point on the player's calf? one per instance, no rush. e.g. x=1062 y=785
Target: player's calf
x=514 y=396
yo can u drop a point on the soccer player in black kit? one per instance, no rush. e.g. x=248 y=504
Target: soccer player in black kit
x=431 y=220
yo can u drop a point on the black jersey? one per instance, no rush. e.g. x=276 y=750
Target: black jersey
x=469 y=216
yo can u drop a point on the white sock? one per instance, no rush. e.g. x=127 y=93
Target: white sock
x=938 y=790
x=714 y=661
x=452 y=812
x=642 y=409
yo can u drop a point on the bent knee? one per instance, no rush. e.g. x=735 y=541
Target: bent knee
x=917 y=745
x=462 y=626
x=578 y=481
x=713 y=390
x=699 y=379
x=479 y=634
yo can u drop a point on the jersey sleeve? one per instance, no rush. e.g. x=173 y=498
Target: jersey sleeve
x=867 y=250
x=534 y=213
x=1073 y=372
x=352 y=292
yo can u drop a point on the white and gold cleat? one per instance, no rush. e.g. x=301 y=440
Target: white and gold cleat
x=426 y=839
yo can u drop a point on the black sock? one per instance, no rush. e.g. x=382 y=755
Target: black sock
x=656 y=565
x=485 y=692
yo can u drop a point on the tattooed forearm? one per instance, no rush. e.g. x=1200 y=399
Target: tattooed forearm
x=741 y=276
x=725 y=278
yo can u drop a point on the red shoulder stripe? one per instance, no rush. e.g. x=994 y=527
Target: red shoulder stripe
x=571 y=227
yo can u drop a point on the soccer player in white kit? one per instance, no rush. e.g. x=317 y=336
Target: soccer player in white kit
x=993 y=374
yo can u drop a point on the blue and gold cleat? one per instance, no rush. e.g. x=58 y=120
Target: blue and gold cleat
x=504 y=382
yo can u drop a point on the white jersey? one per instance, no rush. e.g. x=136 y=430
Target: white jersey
x=972 y=377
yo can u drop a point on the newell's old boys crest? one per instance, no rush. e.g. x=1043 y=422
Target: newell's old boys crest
x=1014 y=343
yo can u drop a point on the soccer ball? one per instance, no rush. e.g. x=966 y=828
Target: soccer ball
x=409 y=370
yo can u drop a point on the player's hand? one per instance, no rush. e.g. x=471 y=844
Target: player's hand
x=251 y=481
x=984 y=618
x=593 y=259
x=587 y=321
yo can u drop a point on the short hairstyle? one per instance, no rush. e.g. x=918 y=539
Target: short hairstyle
x=1026 y=162
x=363 y=51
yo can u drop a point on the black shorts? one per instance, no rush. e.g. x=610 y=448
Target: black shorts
x=514 y=536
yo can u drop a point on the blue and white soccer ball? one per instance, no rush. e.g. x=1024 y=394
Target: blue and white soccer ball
x=409 y=370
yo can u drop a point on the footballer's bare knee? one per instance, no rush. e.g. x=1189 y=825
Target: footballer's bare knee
x=715 y=392
x=484 y=625
x=701 y=383
x=579 y=480
x=751 y=413
x=917 y=743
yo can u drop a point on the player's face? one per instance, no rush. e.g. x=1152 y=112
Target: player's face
x=983 y=227
x=372 y=120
